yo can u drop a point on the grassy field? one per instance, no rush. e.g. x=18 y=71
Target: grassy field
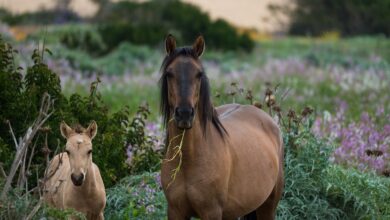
x=331 y=172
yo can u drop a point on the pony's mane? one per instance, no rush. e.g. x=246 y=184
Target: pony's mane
x=206 y=110
x=78 y=128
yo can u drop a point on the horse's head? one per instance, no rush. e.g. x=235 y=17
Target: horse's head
x=183 y=77
x=79 y=150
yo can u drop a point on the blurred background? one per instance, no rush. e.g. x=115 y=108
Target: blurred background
x=330 y=55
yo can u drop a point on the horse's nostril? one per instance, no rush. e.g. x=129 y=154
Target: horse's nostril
x=177 y=112
x=184 y=112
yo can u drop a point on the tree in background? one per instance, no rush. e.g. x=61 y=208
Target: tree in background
x=349 y=17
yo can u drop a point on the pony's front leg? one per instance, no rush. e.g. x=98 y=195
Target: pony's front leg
x=175 y=214
x=92 y=216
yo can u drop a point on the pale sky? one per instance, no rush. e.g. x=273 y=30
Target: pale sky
x=244 y=13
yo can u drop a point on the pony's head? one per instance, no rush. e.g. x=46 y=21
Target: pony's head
x=79 y=149
x=185 y=92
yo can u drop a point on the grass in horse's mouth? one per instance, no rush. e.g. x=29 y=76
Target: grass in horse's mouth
x=177 y=153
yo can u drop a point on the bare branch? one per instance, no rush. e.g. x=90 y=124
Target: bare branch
x=2 y=172
x=13 y=134
x=43 y=115
x=35 y=209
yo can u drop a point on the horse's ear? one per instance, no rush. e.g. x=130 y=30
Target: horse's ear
x=199 y=46
x=66 y=131
x=170 y=44
x=91 y=130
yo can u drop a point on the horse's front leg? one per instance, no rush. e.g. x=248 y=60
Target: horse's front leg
x=211 y=214
x=175 y=214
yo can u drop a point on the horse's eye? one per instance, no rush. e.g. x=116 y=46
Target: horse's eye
x=66 y=151
x=90 y=152
x=199 y=75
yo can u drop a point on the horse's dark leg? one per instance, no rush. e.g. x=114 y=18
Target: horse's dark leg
x=174 y=214
x=211 y=214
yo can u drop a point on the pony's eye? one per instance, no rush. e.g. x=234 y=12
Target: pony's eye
x=199 y=75
x=66 y=151
x=90 y=152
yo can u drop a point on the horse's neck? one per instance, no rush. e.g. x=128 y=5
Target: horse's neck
x=191 y=144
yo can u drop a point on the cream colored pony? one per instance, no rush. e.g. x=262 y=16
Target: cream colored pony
x=72 y=179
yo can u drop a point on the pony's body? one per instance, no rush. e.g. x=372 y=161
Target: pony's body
x=60 y=192
x=227 y=177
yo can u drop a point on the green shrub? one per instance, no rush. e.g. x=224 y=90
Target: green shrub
x=136 y=23
x=41 y=17
x=20 y=101
x=73 y=36
x=317 y=189
x=136 y=197
x=354 y=17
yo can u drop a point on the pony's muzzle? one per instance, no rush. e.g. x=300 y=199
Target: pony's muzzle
x=184 y=117
x=77 y=179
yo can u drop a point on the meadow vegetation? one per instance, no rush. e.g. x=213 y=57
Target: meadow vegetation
x=336 y=151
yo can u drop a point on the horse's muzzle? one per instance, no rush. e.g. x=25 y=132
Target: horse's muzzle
x=77 y=179
x=184 y=117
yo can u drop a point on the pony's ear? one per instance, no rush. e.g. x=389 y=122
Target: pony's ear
x=66 y=131
x=91 y=130
x=199 y=46
x=170 y=44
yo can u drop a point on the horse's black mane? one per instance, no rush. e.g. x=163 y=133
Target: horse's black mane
x=206 y=111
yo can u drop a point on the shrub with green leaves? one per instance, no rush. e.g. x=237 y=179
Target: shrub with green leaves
x=317 y=189
x=80 y=37
x=136 y=197
x=20 y=101
x=136 y=23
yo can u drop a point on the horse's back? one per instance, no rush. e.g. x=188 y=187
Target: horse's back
x=254 y=142
x=55 y=178
x=233 y=116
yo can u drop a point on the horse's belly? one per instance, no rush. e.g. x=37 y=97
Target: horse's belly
x=254 y=174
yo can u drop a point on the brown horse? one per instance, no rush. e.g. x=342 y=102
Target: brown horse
x=221 y=163
x=72 y=179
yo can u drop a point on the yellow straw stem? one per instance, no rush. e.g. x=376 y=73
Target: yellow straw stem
x=177 y=153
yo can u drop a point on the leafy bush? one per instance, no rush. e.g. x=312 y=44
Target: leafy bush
x=316 y=189
x=184 y=20
x=21 y=100
x=348 y=17
x=73 y=36
x=41 y=17
x=136 y=197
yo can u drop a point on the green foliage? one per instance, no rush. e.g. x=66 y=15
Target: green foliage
x=144 y=156
x=21 y=98
x=41 y=17
x=80 y=37
x=316 y=189
x=136 y=197
x=19 y=205
x=348 y=17
x=184 y=20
